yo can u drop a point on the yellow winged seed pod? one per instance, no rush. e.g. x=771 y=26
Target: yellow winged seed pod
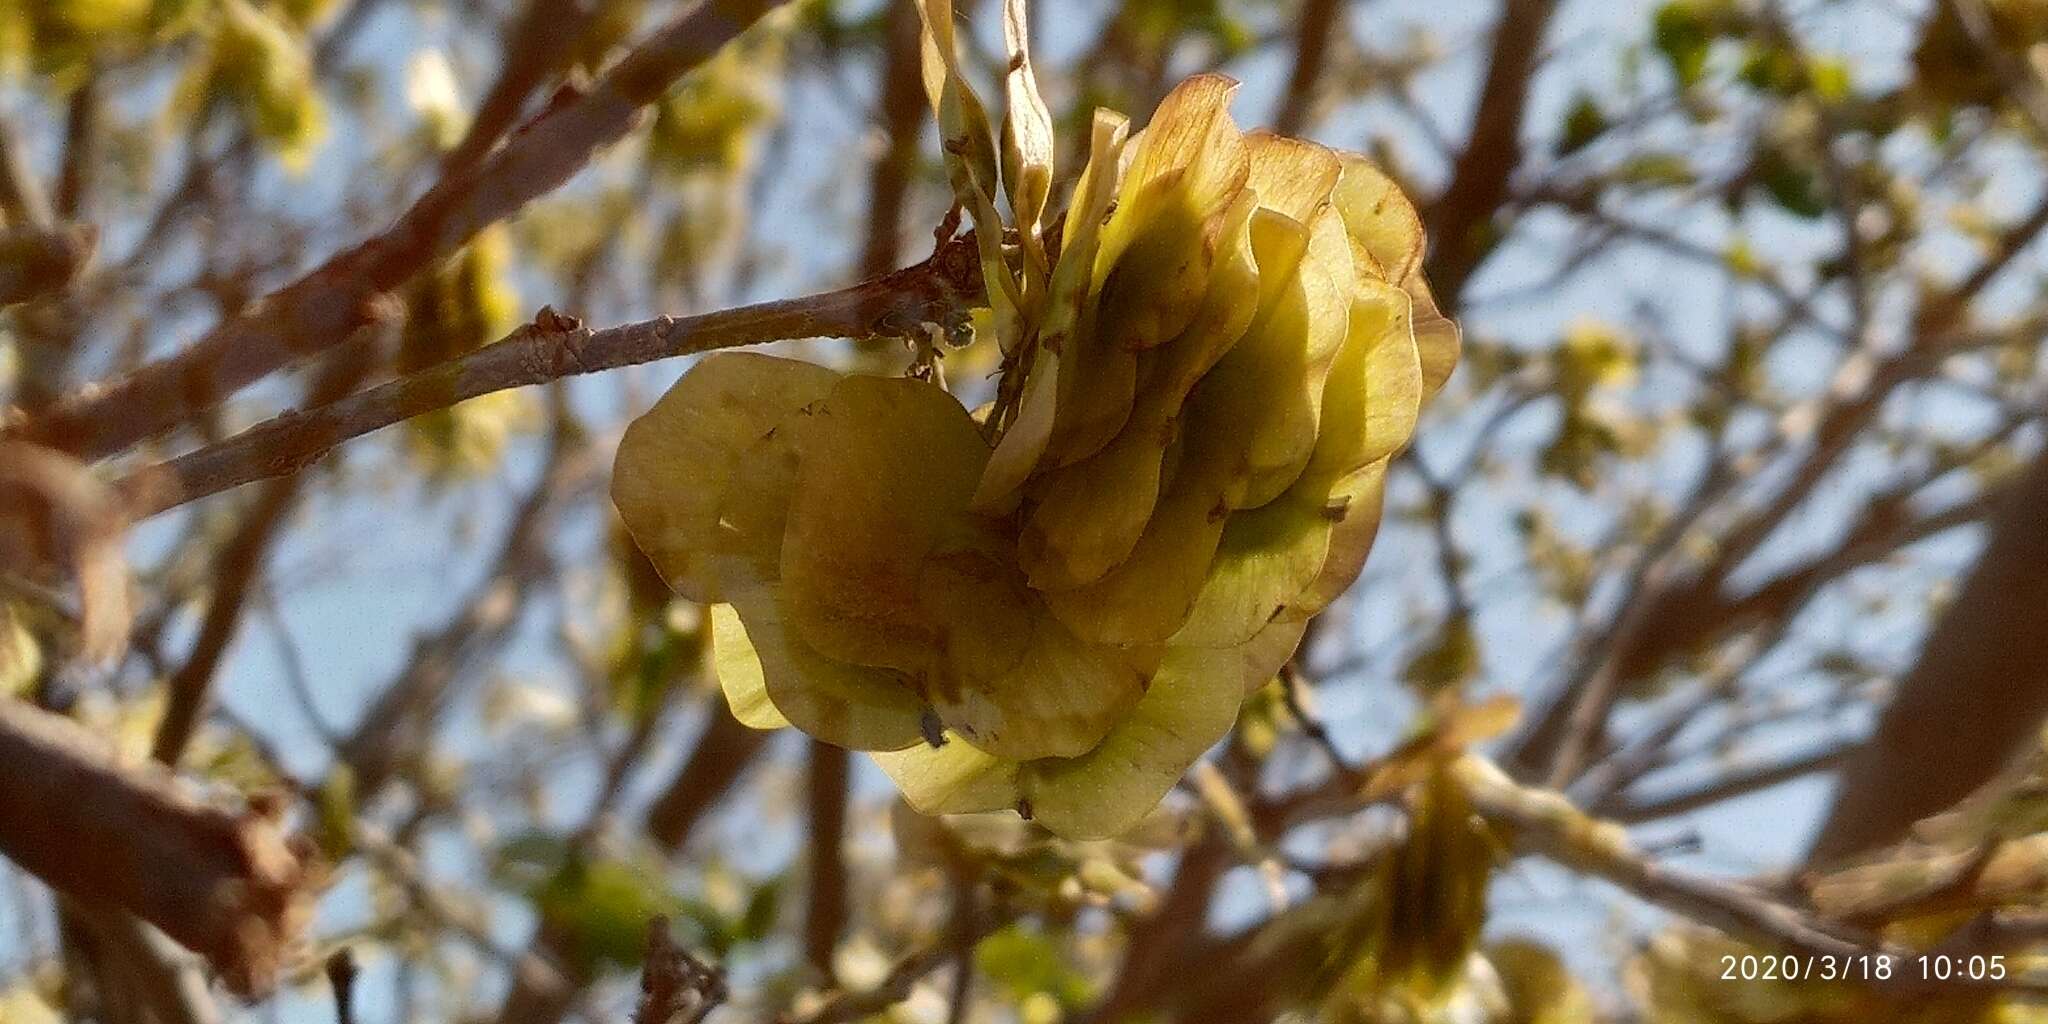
x=1058 y=604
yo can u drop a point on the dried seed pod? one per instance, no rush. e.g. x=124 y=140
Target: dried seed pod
x=1057 y=605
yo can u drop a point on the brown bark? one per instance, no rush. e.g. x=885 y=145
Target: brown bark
x=230 y=887
x=1976 y=696
x=1461 y=220
x=825 y=908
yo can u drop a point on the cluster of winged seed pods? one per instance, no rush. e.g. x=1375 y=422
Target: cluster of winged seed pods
x=1058 y=603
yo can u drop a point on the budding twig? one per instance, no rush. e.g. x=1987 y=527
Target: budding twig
x=552 y=347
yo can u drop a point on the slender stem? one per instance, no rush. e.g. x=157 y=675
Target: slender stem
x=825 y=909
x=323 y=308
x=553 y=347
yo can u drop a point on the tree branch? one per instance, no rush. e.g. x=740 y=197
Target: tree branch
x=320 y=309
x=553 y=347
x=1974 y=697
x=673 y=983
x=230 y=887
x=1728 y=785
x=1321 y=23
x=825 y=900
x=1546 y=823
x=1461 y=220
x=538 y=46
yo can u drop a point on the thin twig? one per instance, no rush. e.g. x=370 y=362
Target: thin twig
x=1737 y=782
x=322 y=308
x=551 y=348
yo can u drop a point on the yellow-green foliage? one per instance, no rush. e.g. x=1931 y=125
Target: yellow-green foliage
x=1058 y=607
x=59 y=38
x=260 y=61
x=464 y=304
x=21 y=654
x=1408 y=948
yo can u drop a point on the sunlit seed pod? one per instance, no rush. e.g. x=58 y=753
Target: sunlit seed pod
x=1025 y=441
x=1185 y=169
x=1264 y=558
x=771 y=677
x=1168 y=374
x=886 y=468
x=1384 y=223
x=770 y=674
x=1027 y=150
x=702 y=431
x=1146 y=598
x=1057 y=604
x=968 y=150
x=1351 y=540
x=1263 y=371
x=1301 y=338
x=1096 y=389
x=1271 y=559
x=997 y=696
x=1157 y=251
x=1190 y=704
x=1088 y=517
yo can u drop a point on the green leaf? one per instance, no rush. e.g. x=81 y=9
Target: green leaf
x=599 y=910
x=1684 y=34
x=1794 y=185
x=1023 y=961
x=1583 y=123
